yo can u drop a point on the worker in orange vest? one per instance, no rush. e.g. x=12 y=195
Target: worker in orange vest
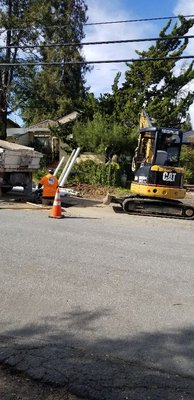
x=49 y=185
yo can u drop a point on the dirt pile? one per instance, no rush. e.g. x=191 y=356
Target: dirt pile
x=97 y=192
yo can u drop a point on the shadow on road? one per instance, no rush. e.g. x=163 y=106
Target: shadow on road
x=146 y=366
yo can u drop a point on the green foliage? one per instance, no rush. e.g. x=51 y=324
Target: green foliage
x=93 y=173
x=14 y=14
x=89 y=107
x=187 y=161
x=53 y=91
x=45 y=92
x=101 y=132
x=37 y=175
x=154 y=85
x=111 y=125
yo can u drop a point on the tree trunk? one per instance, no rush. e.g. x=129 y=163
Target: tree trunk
x=3 y=114
x=5 y=80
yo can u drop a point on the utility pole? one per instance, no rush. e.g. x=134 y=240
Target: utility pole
x=3 y=111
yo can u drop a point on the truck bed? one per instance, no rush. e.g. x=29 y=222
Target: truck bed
x=15 y=157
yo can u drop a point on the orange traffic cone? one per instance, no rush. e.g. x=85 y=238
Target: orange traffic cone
x=56 y=208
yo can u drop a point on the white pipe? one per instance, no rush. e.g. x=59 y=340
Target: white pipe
x=66 y=166
x=59 y=165
x=70 y=167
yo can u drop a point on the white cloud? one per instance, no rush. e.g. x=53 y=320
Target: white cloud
x=184 y=7
x=101 y=78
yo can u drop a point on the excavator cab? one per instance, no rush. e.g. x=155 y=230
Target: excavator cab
x=159 y=146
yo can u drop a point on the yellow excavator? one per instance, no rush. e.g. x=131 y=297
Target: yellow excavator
x=158 y=179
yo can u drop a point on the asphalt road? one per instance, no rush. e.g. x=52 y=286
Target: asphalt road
x=99 y=301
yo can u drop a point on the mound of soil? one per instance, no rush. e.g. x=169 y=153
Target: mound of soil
x=96 y=192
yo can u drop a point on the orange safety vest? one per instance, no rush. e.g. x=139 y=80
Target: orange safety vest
x=50 y=184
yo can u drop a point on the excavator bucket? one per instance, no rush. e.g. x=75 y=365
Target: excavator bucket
x=107 y=199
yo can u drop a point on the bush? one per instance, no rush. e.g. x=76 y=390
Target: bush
x=187 y=161
x=93 y=173
x=37 y=175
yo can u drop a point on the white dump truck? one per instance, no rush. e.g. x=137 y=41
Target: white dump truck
x=17 y=163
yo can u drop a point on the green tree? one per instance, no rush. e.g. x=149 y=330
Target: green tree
x=101 y=133
x=187 y=161
x=154 y=85
x=15 y=16
x=89 y=107
x=52 y=91
x=48 y=91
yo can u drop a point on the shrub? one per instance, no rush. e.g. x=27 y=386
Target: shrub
x=187 y=161
x=37 y=175
x=93 y=173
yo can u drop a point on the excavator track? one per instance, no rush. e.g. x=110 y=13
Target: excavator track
x=157 y=207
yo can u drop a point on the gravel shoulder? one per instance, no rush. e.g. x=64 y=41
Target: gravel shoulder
x=18 y=386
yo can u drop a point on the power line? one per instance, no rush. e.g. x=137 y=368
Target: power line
x=138 y=20
x=102 y=23
x=69 y=44
x=57 y=63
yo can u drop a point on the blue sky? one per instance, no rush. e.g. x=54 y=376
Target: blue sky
x=149 y=8
x=101 y=78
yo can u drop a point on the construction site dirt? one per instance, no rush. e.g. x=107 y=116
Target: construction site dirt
x=85 y=196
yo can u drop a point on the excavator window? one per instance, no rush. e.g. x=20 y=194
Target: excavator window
x=161 y=157
x=173 y=155
x=157 y=146
x=169 y=144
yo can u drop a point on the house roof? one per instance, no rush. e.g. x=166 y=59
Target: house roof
x=42 y=126
x=12 y=123
x=49 y=122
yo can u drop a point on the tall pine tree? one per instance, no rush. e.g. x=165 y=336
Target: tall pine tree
x=52 y=91
x=155 y=85
x=47 y=91
x=15 y=16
